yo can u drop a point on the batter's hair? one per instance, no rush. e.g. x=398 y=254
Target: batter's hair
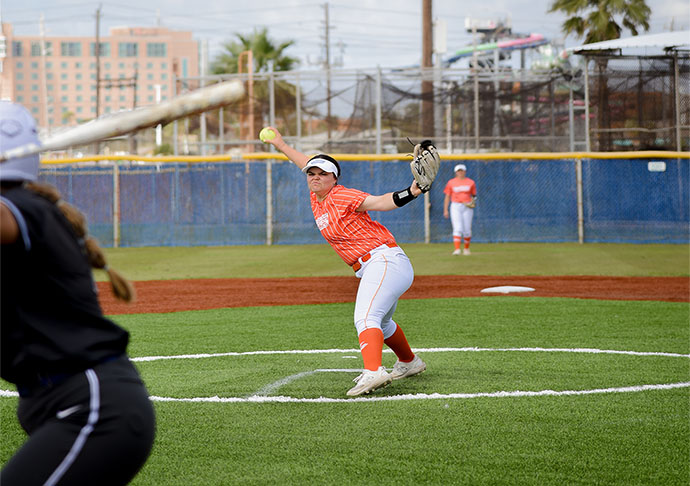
x=122 y=288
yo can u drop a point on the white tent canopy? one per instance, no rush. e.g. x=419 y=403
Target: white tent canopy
x=666 y=40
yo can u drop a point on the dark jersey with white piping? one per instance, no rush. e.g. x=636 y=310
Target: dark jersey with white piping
x=50 y=319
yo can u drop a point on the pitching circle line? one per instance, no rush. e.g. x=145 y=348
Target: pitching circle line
x=417 y=396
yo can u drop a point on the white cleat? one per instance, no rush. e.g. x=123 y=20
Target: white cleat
x=466 y=251
x=403 y=370
x=457 y=252
x=369 y=381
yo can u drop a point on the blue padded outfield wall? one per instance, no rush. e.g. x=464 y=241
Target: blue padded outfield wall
x=209 y=204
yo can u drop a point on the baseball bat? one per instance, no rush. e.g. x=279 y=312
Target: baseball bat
x=197 y=101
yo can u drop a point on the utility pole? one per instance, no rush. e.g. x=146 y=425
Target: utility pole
x=97 y=52
x=427 y=84
x=327 y=67
x=44 y=82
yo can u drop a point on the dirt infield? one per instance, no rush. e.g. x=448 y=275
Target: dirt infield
x=159 y=296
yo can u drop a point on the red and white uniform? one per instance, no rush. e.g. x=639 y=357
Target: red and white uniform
x=461 y=191
x=385 y=276
x=351 y=234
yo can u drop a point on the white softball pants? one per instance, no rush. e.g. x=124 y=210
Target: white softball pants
x=461 y=219
x=384 y=278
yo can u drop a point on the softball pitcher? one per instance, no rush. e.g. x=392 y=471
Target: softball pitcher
x=384 y=270
x=461 y=196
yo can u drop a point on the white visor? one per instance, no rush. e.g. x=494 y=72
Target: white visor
x=459 y=167
x=322 y=164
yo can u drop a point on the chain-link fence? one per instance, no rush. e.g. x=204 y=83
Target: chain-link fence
x=131 y=203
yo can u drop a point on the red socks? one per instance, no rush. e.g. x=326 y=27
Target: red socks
x=371 y=346
x=398 y=343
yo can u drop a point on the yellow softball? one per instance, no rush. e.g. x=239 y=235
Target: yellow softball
x=267 y=134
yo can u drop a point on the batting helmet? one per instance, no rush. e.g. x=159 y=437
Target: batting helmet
x=17 y=128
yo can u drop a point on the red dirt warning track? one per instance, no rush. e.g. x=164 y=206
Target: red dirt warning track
x=158 y=296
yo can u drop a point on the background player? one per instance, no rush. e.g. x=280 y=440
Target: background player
x=461 y=195
x=370 y=249
x=82 y=402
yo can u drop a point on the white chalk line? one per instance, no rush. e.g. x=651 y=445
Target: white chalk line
x=416 y=350
x=262 y=395
x=425 y=396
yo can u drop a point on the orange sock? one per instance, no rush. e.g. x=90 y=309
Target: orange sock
x=371 y=347
x=398 y=343
x=456 y=241
x=467 y=243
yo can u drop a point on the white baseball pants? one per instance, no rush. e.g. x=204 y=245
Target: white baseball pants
x=461 y=219
x=384 y=278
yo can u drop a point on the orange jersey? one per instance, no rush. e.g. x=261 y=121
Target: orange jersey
x=351 y=234
x=460 y=191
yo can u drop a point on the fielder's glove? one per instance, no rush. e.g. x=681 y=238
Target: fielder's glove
x=472 y=204
x=425 y=164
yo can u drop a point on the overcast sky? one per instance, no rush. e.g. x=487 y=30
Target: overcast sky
x=363 y=34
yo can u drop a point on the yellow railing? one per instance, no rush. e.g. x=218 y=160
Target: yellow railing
x=190 y=159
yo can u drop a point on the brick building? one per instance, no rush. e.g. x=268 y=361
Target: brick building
x=60 y=88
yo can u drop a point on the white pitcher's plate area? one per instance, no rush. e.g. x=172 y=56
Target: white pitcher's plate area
x=506 y=289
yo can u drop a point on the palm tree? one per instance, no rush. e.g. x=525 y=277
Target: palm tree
x=263 y=50
x=596 y=21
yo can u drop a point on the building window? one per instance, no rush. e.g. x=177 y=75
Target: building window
x=20 y=99
x=104 y=50
x=63 y=65
x=70 y=49
x=17 y=49
x=20 y=75
x=34 y=87
x=78 y=97
x=34 y=65
x=63 y=99
x=20 y=65
x=164 y=76
x=77 y=65
x=63 y=76
x=36 y=48
x=128 y=49
x=34 y=110
x=149 y=76
x=20 y=87
x=34 y=99
x=34 y=75
x=50 y=87
x=164 y=65
x=49 y=64
x=107 y=65
x=156 y=49
x=78 y=75
x=64 y=87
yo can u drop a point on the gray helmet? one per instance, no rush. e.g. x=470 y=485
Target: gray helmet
x=17 y=128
